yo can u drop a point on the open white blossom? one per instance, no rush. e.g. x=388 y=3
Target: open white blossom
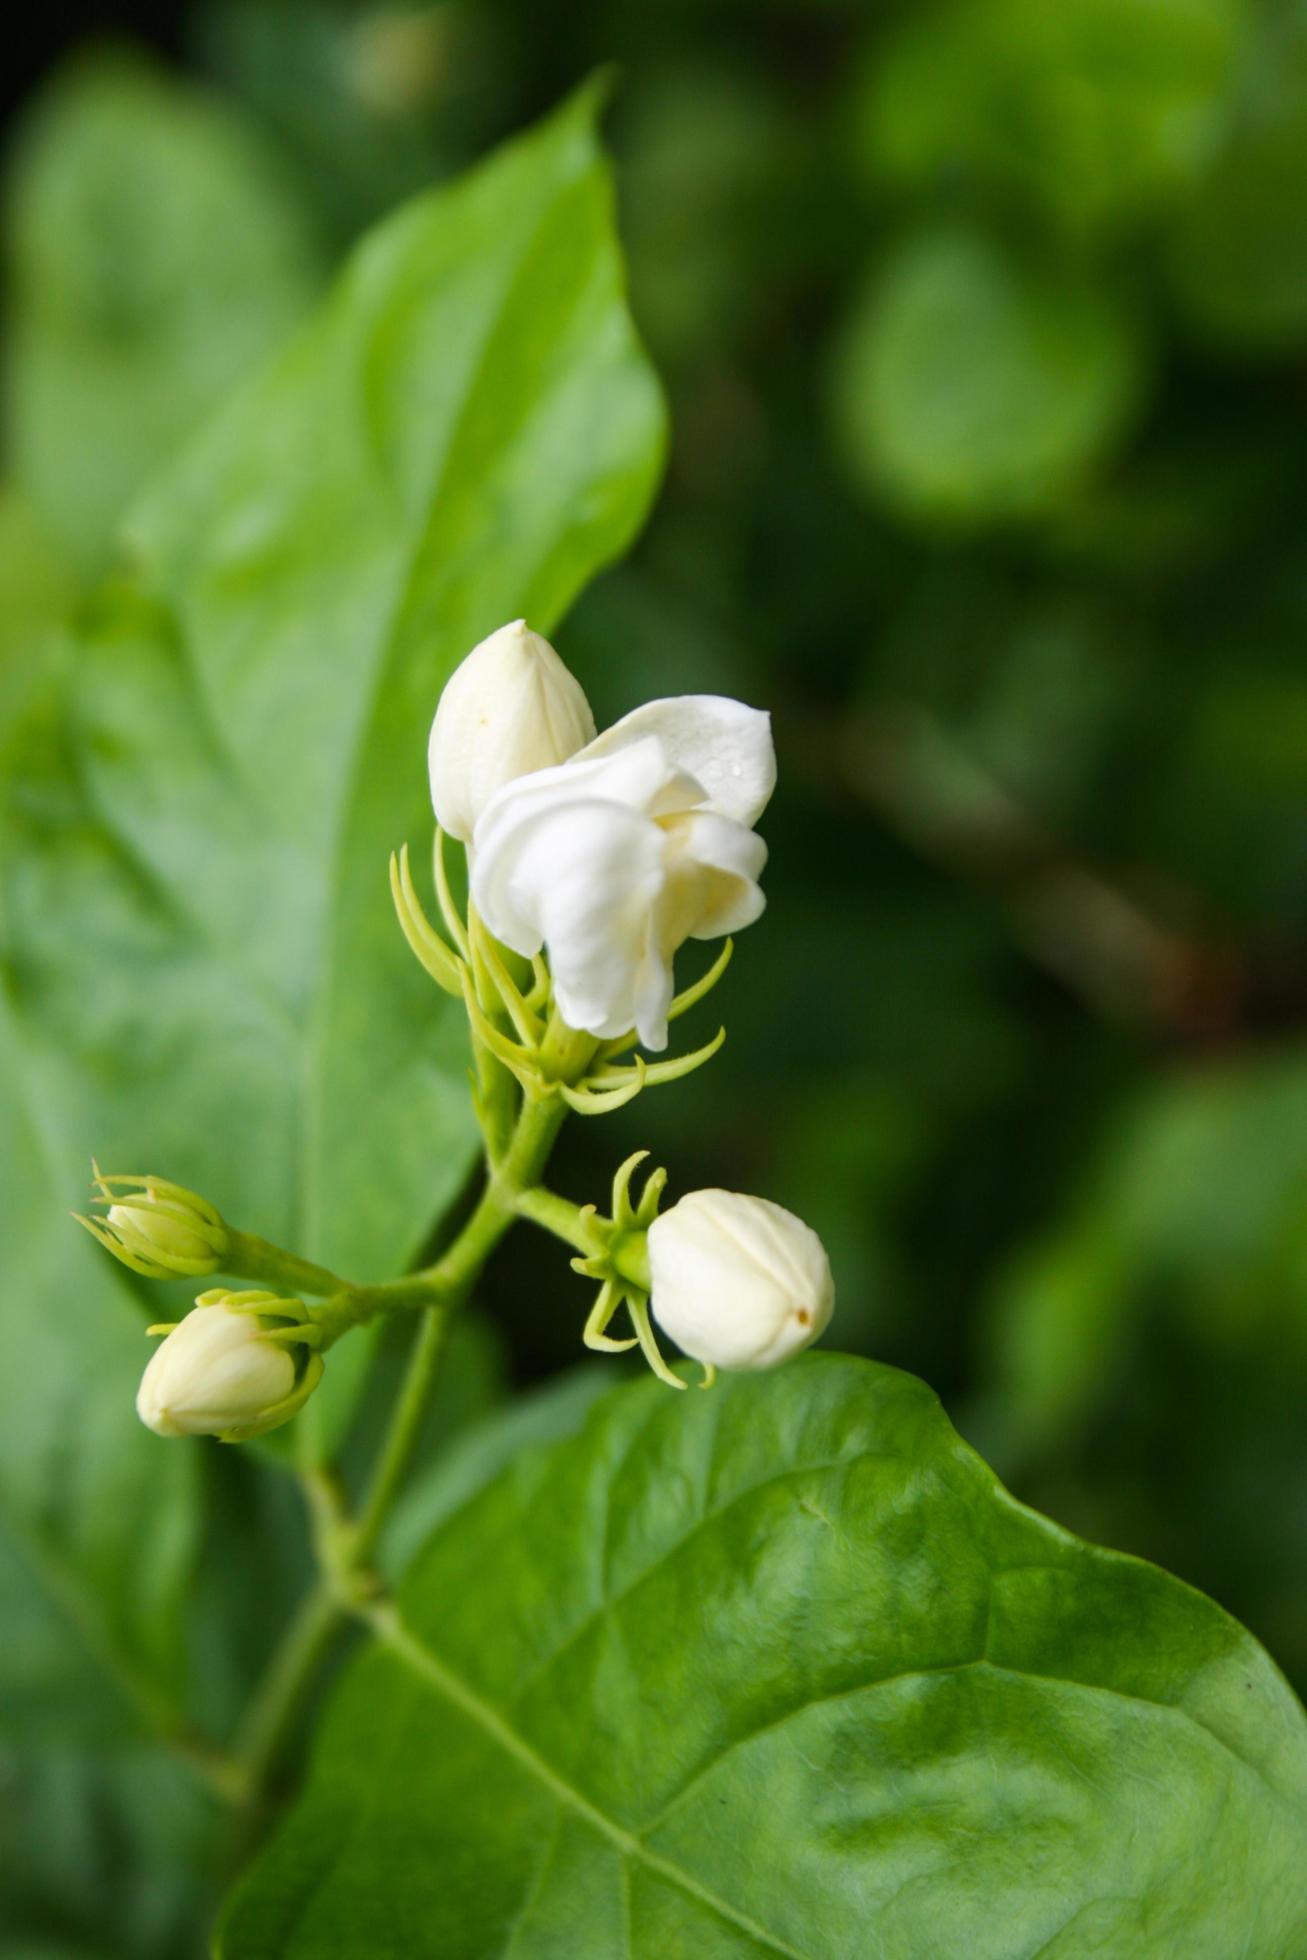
x=509 y=708
x=610 y=861
x=738 y=1282
x=214 y=1373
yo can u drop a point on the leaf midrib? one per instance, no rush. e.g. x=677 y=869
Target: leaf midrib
x=317 y=1021
x=401 y=1642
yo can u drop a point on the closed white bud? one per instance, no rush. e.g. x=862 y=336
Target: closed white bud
x=222 y=1372
x=512 y=707
x=738 y=1282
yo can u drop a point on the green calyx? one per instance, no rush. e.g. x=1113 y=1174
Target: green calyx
x=156 y=1228
x=517 y=1027
x=617 y=1255
x=282 y=1323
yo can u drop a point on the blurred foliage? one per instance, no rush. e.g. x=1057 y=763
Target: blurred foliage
x=984 y=329
x=155 y=253
x=975 y=387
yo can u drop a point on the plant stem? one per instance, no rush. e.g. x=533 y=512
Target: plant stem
x=405 y=1428
x=346 y=1545
x=627 y=1251
x=250 y=1257
x=271 y=1714
x=557 y=1215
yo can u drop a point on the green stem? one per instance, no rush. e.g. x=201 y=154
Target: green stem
x=270 y=1717
x=349 y=1544
x=402 y=1437
x=627 y=1252
x=565 y=1054
x=250 y=1257
x=557 y=1215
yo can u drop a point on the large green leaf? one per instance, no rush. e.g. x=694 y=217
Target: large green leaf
x=102 y=1856
x=201 y=972
x=783 y=1669
x=156 y=253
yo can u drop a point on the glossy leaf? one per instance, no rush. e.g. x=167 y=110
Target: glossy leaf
x=781 y=1669
x=202 y=971
x=157 y=253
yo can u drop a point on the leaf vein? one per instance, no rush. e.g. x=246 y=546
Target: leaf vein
x=400 y=1641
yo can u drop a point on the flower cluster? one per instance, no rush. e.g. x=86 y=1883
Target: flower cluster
x=591 y=860
x=604 y=854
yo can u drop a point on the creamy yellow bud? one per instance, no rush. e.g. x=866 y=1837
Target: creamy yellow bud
x=511 y=708
x=222 y=1372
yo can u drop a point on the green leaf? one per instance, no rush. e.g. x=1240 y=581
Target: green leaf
x=102 y=1856
x=202 y=973
x=781 y=1669
x=97 y=1524
x=36 y=589
x=482 y=1450
x=1095 y=114
x=156 y=253
x=971 y=386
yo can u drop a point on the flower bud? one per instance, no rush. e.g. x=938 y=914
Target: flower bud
x=238 y=1364
x=512 y=707
x=738 y=1282
x=159 y=1229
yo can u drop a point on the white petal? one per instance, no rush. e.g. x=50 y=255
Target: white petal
x=718 y=864
x=654 y=987
x=637 y=779
x=581 y=878
x=723 y=744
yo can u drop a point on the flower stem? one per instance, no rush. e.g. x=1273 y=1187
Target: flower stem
x=557 y=1215
x=346 y=1545
x=271 y=1715
x=626 y=1251
x=249 y=1257
x=406 y=1424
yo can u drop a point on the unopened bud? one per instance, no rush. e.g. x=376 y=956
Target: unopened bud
x=159 y=1229
x=512 y=707
x=738 y=1282
x=238 y=1365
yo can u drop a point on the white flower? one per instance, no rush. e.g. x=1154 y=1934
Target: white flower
x=216 y=1373
x=509 y=708
x=738 y=1282
x=612 y=860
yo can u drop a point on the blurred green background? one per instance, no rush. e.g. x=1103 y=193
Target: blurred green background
x=984 y=327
